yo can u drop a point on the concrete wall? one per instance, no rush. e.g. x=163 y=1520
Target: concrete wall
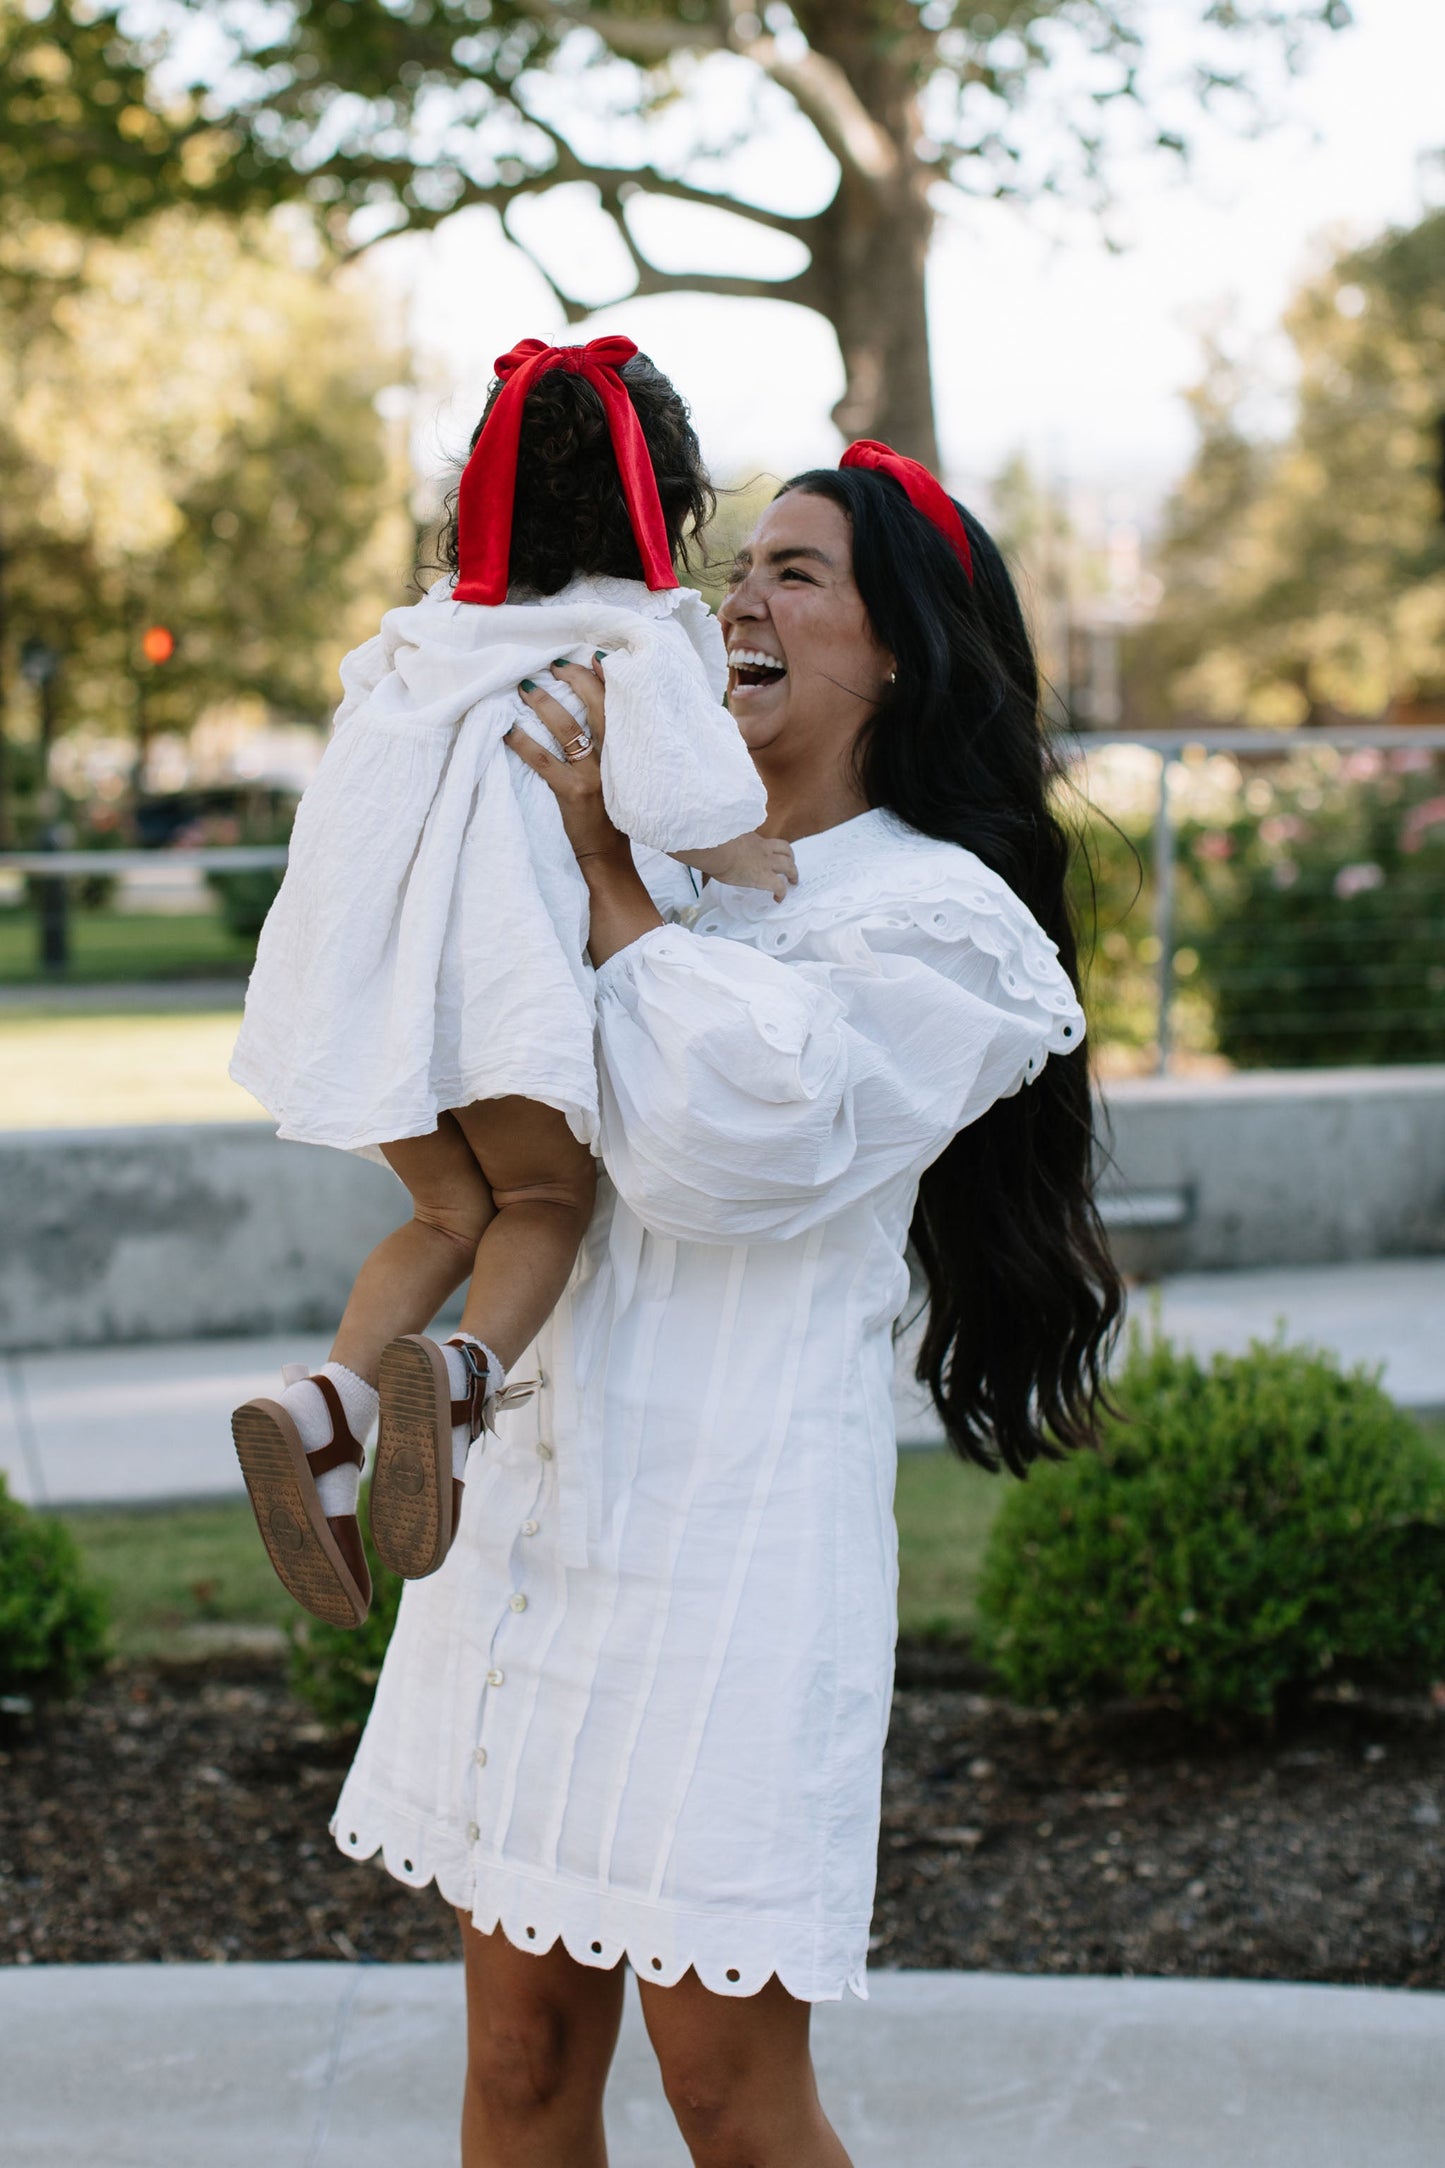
x=1278 y=1168
x=171 y=1233
x=159 y=1234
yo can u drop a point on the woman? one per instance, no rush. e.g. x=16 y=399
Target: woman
x=641 y=1711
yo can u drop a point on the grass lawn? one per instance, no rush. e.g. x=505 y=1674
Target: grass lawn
x=165 y=1568
x=80 y=1071
x=106 y=946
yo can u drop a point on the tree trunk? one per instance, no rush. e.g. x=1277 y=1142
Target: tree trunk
x=871 y=244
x=869 y=260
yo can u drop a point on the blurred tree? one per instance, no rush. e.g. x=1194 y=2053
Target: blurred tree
x=1305 y=573
x=190 y=436
x=410 y=112
x=86 y=138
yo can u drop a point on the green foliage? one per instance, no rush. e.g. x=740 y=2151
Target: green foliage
x=52 y=1616
x=84 y=139
x=190 y=435
x=1319 y=913
x=336 y=1668
x=245 y=899
x=1241 y=1530
x=382 y=116
x=1305 y=574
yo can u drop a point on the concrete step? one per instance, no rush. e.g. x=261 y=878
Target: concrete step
x=341 y=2066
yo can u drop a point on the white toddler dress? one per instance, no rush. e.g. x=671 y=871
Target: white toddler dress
x=428 y=945
x=642 y=1706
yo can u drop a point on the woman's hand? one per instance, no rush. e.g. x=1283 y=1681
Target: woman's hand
x=621 y=911
x=573 y=773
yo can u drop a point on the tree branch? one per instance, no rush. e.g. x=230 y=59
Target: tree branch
x=569 y=167
x=633 y=37
x=816 y=84
x=573 y=311
x=824 y=95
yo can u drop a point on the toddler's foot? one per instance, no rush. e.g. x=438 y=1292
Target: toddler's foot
x=302 y=1464
x=434 y=1402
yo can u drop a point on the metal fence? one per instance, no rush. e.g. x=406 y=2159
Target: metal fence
x=1392 y=946
x=1391 y=926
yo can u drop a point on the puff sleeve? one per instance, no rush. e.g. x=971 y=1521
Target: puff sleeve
x=752 y=1089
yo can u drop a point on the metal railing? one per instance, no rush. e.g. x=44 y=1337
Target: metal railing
x=1170 y=746
x=1173 y=746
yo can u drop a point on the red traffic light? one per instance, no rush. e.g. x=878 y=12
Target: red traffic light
x=158 y=643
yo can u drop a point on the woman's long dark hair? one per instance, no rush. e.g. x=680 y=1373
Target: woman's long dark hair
x=1023 y=1296
x=569 y=516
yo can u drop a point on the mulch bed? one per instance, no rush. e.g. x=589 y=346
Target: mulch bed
x=182 y=1815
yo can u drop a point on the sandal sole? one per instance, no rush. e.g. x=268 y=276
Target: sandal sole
x=411 y=1481
x=282 y=1490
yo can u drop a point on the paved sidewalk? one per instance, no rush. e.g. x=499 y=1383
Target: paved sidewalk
x=340 y=2066
x=151 y=1422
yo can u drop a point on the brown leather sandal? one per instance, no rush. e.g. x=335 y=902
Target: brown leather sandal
x=416 y=1501
x=320 y=1559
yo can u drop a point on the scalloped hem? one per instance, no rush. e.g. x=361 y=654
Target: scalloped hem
x=602 y=1929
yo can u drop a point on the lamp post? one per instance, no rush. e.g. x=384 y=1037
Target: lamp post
x=40 y=667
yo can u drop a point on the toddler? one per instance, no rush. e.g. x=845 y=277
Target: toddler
x=422 y=992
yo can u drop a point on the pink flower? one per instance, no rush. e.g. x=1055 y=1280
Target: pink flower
x=1419 y=821
x=1216 y=845
x=1357 y=881
x=1280 y=828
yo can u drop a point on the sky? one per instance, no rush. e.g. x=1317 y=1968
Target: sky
x=1042 y=340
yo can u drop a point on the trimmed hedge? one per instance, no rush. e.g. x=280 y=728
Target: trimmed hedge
x=1241 y=1530
x=53 y=1620
x=335 y=1668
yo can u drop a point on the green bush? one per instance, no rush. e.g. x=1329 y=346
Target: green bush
x=1320 y=914
x=245 y=896
x=335 y=1668
x=52 y=1618
x=1241 y=1529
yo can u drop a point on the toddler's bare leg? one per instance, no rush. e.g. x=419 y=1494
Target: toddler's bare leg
x=410 y=1274
x=542 y=1183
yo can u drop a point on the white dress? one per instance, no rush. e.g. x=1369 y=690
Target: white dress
x=642 y=1706
x=428 y=945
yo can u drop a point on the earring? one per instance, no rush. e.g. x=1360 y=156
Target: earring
x=893 y=677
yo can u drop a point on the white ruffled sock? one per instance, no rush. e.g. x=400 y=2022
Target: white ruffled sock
x=339 y=1488
x=459 y=1377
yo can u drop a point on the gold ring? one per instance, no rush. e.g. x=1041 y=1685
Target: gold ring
x=579 y=747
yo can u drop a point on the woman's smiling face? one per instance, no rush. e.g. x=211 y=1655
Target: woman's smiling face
x=804 y=668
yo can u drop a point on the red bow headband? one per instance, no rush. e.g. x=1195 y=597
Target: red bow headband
x=489 y=482
x=925 y=493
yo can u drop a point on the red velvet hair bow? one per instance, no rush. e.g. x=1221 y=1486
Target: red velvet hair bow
x=924 y=492
x=489 y=483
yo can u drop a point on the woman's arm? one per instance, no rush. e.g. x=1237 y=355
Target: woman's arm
x=621 y=910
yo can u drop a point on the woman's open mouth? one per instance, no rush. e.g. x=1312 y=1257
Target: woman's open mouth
x=750 y=670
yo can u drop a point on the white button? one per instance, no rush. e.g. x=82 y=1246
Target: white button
x=529 y=1528
x=480 y=1757
x=519 y=1603
x=544 y=1451
x=472 y=1833
x=495 y=1678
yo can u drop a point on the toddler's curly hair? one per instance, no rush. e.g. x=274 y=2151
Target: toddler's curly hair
x=569 y=516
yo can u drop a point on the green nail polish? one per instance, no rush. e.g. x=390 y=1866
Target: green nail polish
x=599 y=654
x=528 y=686
x=559 y=662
